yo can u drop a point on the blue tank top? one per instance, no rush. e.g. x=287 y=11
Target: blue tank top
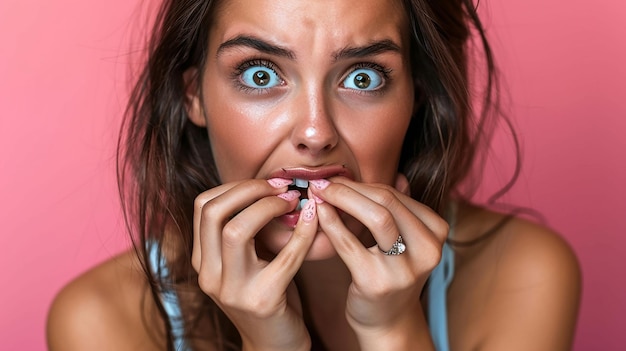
x=440 y=279
x=169 y=298
x=437 y=295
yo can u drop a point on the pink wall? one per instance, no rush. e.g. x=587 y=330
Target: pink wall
x=62 y=89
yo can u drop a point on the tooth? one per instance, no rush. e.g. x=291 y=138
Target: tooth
x=302 y=203
x=301 y=183
x=299 y=206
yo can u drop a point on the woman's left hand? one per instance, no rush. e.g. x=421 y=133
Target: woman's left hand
x=383 y=304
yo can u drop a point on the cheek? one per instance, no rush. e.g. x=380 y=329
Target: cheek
x=377 y=142
x=238 y=140
x=381 y=145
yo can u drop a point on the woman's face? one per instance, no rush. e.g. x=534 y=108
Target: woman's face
x=316 y=85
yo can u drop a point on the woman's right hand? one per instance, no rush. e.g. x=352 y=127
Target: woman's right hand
x=258 y=296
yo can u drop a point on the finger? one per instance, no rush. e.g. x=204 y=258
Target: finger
x=220 y=203
x=380 y=210
x=438 y=226
x=431 y=219
x=377 y=217
x=420 y=226
x=199 y=203
x=347 y=245
x=289 y=260
x=238 y=250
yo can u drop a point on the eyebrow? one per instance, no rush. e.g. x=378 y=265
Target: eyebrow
x=374 y=48
x=371 y=49
x=257 y=44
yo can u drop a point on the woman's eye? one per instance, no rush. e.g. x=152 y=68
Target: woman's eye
x=260 y=77
x=363 y=79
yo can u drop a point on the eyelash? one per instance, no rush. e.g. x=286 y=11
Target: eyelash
x=240 y=69
x=385 y=72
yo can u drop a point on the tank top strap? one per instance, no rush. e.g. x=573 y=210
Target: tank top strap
x=439 y=281
x=168 y=296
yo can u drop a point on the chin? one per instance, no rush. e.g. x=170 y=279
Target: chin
x=275 y=236
x=321 y=249
x=270 y=242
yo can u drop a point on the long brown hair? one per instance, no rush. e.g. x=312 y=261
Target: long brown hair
x=164 y=161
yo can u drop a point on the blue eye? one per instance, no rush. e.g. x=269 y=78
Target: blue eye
x=260 y=77
x=363 y=79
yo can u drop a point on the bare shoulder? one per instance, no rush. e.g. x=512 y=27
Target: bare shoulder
x=522 y=251
x=102 y=310
x=526 y=280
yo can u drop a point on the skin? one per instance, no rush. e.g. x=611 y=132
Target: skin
x=315 y=117
x=310 y=120
x=249 y=263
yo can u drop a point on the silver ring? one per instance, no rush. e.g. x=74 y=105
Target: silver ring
x=397 y=248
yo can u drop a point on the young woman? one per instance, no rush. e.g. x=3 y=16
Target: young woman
x=291 y=173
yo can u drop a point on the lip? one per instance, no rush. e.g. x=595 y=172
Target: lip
x=308 y=173
x=289 y=219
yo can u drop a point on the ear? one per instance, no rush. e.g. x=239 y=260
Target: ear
x=193 y=100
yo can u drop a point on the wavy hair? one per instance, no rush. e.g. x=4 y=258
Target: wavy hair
x=165 y=161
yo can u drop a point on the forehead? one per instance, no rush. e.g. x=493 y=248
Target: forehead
x=312 y=25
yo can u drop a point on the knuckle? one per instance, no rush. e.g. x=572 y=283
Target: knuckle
x=199 y=201
x=380 y=291
x=431 y=256
x=383 y=284
x=206 y=284
x=262 y=307
x=383 y=220
x=230 y=300
x=257 y=186
x=196 y=260
x=386 y=198
x=441 y=228
x=233 y=233
x=208 y=209
x=384 y=288
x=251 y=303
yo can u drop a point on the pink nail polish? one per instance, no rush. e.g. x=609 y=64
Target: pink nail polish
x=317 y=199
x=279 y=182
x=314 y=197
x=308 y=211
x=320 y=184
x=289 y=195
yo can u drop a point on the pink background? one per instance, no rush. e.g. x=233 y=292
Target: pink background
x=63 y=82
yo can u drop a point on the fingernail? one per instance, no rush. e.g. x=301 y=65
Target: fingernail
x=317 y=199
x=289 y=195
x=320 y=184
x=279 y=182
x=314 y=197
x=308 y=211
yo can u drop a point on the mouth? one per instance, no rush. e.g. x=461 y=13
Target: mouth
x=300 y=177
x=301 y=185
x=305 y=174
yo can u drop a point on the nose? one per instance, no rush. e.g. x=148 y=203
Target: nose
x=314 y=130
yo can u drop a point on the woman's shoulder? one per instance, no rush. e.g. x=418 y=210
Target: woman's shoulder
x=524 y=279
x=515 y=245
x=106 y=308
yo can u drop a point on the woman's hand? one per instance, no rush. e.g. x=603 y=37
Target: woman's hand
x=383 y=305
x=259 y=297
